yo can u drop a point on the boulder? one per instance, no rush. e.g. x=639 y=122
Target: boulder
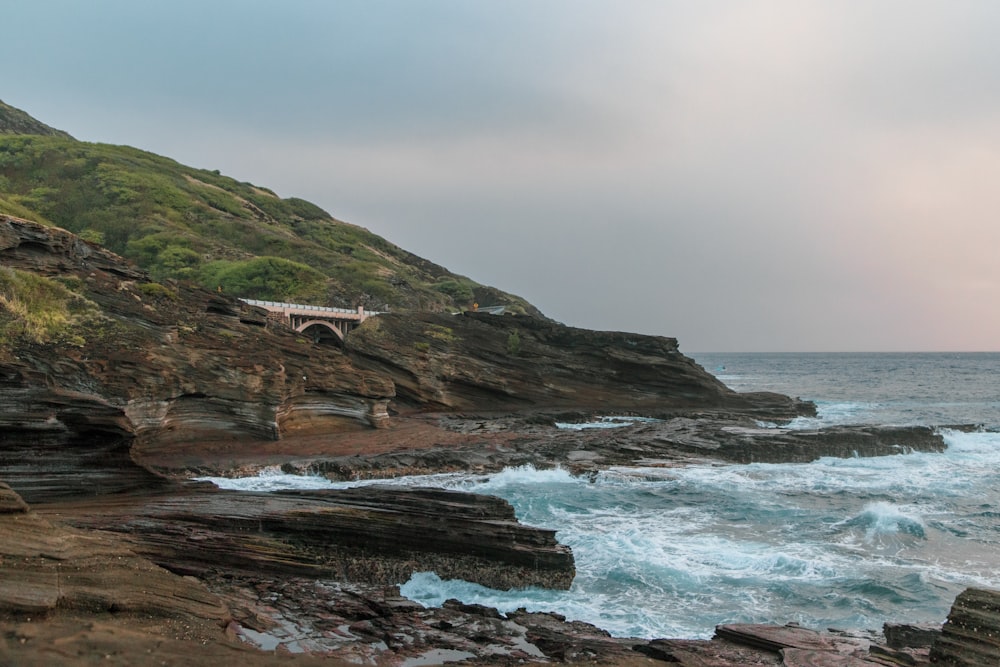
x=971 y=635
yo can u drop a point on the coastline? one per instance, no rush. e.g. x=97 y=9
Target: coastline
x=366 y=620
x=103 y=424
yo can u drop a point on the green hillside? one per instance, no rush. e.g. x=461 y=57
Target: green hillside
x=182 y=223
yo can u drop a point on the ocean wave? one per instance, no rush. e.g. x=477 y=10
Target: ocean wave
x=883 y=518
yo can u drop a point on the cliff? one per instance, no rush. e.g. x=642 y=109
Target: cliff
x=102 y=366
x=99 y=362
x=482 y=362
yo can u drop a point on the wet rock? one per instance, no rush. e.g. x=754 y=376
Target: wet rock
x=971 y=635
x=911 y=635
x=705 y=653
x=370 y=534
x=774 y=637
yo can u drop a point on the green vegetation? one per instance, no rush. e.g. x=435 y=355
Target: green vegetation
x=459 y=289
x=514 y=343
x=190 y=224
x=269 y=278
x=15 y=121
x=37 y=309
x=441 y=333
x=158 y=291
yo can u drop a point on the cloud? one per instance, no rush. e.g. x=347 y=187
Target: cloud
x=745 y=176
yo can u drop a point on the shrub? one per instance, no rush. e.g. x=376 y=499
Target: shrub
x=156 y=290
x=514 y=344
x=92 y=235
x=42 y=310
x=269 y=278
x=441 y=333
x=460 y=290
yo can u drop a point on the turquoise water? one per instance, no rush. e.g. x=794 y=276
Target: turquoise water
x=847 y=543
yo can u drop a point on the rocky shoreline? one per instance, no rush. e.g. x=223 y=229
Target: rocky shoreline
x=74 y=594
x=110 y=554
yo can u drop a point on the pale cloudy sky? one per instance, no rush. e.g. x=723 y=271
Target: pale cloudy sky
x=745 y=175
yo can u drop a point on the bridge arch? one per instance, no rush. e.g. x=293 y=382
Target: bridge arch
x=321 y=331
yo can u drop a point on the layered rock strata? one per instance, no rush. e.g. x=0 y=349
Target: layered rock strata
x=480 y=362
x=971 y=636
x=152 y=367
x=374 y=534
x=47 y=566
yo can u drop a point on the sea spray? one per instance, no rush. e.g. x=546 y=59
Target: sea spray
x=851 y=543
x=673 y=552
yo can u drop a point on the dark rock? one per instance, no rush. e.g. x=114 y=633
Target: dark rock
x=774 y=637
x=372 y=534
x=971 y=635
x=797 y=657
x=704 y=653
x=159 y=375
x=456 y=363
x=742 y=443
x=911 y=635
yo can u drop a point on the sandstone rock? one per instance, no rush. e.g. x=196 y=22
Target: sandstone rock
x=971 y=635
x=467 y=362
x=371 y=534
x=10 y=502
x=911 y=635
x=166 y=367
x=49 y=567
x=774 y=637
x=797 y=657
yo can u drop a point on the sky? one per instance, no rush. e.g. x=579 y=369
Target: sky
x=774 y=175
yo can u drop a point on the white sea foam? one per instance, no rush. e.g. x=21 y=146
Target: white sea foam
x=884 y=518
x=673 y=552
x=268 y=480
x=605 y=422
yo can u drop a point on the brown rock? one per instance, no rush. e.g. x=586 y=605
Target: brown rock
x=797 y=657
x=458 y=363
x=774 y=637
x=49 y=567
x=166 y=367
x=971 y=635
x=10 y=502
x=911 y=635
x=372 y=534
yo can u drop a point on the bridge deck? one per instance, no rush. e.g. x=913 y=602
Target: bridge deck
x=326 y=312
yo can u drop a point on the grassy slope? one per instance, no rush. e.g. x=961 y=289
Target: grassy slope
x=182 y=223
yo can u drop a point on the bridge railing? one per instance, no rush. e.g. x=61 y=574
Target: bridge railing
x=303 y=306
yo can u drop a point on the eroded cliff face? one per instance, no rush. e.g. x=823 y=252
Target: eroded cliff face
x=150 y=367
x=138 y=370
x=483 y=362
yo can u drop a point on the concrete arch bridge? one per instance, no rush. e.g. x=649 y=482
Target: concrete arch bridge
x=323 y=323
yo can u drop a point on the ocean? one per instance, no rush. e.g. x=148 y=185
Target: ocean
x=837 y=543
